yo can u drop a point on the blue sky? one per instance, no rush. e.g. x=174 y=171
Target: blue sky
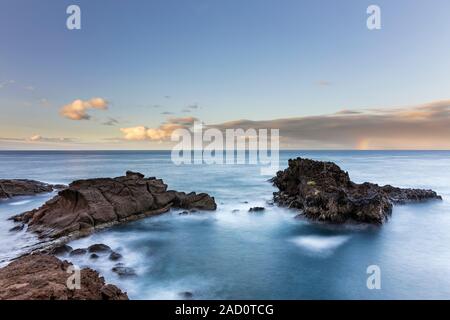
x=252 y=59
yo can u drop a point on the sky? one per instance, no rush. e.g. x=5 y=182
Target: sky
x=137 y=70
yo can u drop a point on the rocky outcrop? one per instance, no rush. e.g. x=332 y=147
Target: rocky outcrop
x=86 y=205
x=325 y=192
x=45 y=277
x=21 y=187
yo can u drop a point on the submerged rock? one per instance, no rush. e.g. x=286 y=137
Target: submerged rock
x=256 y=209
x=22 y=187
x=60 y=250
x=123 y=271
x=78 y=252
x=186 y=295
x=45 y=277
x=19 y=227
x=114 y=256
x=91 y=204
x=99 y=247
x=325 y=192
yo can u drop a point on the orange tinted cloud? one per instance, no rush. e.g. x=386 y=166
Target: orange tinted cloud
x=77 y=109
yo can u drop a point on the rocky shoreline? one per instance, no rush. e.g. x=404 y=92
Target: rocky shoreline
x=45 y=277
x=78 y=210
x=324 y=192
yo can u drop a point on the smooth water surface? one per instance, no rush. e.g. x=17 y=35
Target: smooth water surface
x=232 y=254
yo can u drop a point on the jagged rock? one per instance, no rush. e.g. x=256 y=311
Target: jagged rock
x=86 y=205
x=325 y=192
x=99 y=247
x=45 y=277
x=256 y=209
x=22 y=187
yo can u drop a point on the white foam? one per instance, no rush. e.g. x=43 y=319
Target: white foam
x=320 y=244
x=19 y=203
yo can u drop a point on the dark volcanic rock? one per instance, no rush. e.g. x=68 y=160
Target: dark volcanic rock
x=186 y=295
x=124 y=271
x=324 y=192
x=99 y=247
x=114 y=256
x=21 y=187
x=256 y=209
x=17 y=228
x=60 y=250
x=91 y=204
x=45 y=277
x=78 y=252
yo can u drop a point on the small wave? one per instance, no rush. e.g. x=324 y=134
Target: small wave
x=19 y=203
x=320 y=244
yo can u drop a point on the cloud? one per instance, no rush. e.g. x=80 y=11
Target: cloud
x=167 y=113
x=111 y=122
x=77 y=109
x=424 y=126
x=163 y=132
x=39 y=138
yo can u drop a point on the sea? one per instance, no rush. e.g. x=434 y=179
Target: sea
x=273 y=254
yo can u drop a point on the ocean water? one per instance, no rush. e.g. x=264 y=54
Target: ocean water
x=231 y=254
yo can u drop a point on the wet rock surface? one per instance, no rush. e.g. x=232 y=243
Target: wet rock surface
x=45 y=277
x=256 y=209
x=86 y=205
x=324 y=192
x=123 y=271
x=23 y=187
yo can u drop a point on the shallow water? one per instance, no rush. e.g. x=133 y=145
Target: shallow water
x=269 y=255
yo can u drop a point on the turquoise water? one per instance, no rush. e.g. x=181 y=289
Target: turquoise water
x=272 y=255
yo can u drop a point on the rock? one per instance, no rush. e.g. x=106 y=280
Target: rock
x=256 y=209
x=60 y=250
x=22 y=187
x=235 y=211
x=87 y=205
x=45 y=277
x=324 y=192
x=114 y=256
x=183 y=213
x=17 y=228
x=186 y=295
x=124 y=271
x=94 y=256
x=78 y=252
x=99 y=247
